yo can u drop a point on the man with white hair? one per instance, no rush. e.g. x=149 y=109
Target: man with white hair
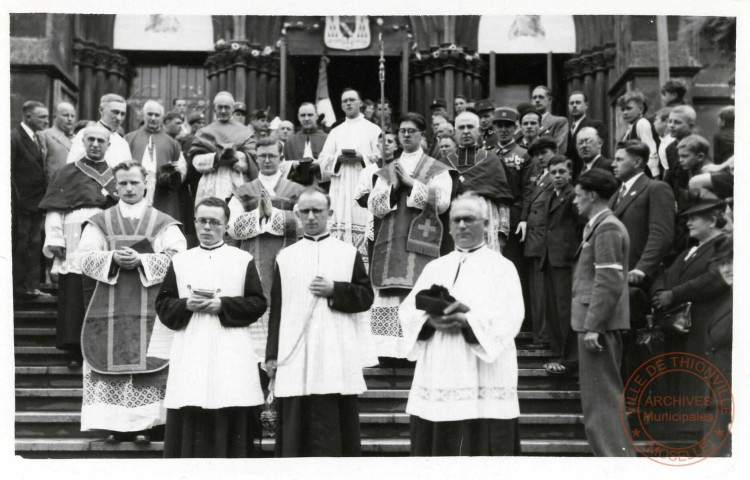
x=112 y=109
x=162 y=158
x=459 y=324
x=224 y=152
x=482 y=172
x=58 y=138
x=79 y=190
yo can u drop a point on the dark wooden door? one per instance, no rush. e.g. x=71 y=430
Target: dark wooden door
x=164 y=83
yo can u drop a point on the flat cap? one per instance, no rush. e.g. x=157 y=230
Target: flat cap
x=239 y=107
x=542 y=142
x=505 y=114
x=438 y=103
x=484 y=105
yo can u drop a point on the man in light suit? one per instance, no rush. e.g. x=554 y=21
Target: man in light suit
x=558 y=127
x=57 y=139
x=578 y=105
x=28 y=184
x=647 y=209
x=599 y=311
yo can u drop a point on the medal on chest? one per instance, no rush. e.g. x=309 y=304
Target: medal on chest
x=104 y=192
x=461 y=178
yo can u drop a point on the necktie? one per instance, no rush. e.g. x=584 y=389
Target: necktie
x=623 y=190
x=36 y=141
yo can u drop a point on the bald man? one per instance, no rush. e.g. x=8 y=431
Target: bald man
x=79 y=190
x=223 y=152
x=59 y=138
x=112 y=109
x=161 y=156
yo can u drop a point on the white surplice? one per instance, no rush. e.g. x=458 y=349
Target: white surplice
x=453 y=379
x=212 y=366
x=336 y=346
x=115 y=402
x=349 y=220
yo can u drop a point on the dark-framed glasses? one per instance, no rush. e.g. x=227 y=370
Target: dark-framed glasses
x=208 y=221
x=468 y=221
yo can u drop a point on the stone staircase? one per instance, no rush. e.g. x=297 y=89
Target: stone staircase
x=48 y=402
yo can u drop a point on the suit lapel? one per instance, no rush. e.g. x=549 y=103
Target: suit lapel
x=702 y=251
x=59 y=137
x=638 y=187
x=34 y=150
x=558 y=200
x=593 y=229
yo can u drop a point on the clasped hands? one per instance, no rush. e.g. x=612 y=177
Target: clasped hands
x=402 y=177
x=127 y=258
x=265 y=208
x=201 y=304
x=451 y=321
x=321 y=287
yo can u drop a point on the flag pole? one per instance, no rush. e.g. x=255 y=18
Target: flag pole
x=382 y=96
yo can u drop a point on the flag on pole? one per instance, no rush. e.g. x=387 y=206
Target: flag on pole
x=322 y=100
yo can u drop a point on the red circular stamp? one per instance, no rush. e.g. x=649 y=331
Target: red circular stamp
x=678 y=409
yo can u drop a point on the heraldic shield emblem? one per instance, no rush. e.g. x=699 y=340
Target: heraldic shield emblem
x=347 y=32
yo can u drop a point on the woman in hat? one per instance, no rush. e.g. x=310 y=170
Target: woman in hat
x=690 y=279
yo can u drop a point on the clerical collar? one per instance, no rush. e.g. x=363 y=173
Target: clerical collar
x=470 y=250
x=316 y=238
x=106 y=126
x=132 y=211
x=358 y=117
x=212 y=247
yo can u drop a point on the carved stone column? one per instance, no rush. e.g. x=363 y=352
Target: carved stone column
x=573 y=72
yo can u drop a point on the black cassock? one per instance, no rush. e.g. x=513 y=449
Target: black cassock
x=194 y=432
x=319 y=425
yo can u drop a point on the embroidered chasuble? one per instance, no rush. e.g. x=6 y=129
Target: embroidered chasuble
x=264 y=237
x=218 y=179
x=482 y=172
x=464 y=381
x=349 y=220
x=411 y=232
x=125 y=347
x=160 y=154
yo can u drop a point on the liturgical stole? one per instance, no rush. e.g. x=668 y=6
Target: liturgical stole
x=120 y=318
x=407 y=238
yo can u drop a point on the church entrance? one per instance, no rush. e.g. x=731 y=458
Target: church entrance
x=358 y=72
x=165 y=76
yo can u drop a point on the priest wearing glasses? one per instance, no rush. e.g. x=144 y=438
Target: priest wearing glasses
x=210 y=296
x=459 y=323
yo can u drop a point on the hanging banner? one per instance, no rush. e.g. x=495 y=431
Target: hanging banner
x=347 y=32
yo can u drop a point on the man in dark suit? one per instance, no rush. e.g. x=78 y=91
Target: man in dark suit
x=305 y=145
x=58 y=138
x=532 y=218
x=588 y=144
x=646 y=207
x=561 y=238
x=28 y=185
x=578 y=105
x=599 y=311
x=541 y=98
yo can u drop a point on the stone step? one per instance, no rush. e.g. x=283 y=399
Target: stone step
x=34 y=336
x=88 y=448
x=35 y=318
x=376 y=401
x=373 y=425
x=41 y=356
x=376 y=378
